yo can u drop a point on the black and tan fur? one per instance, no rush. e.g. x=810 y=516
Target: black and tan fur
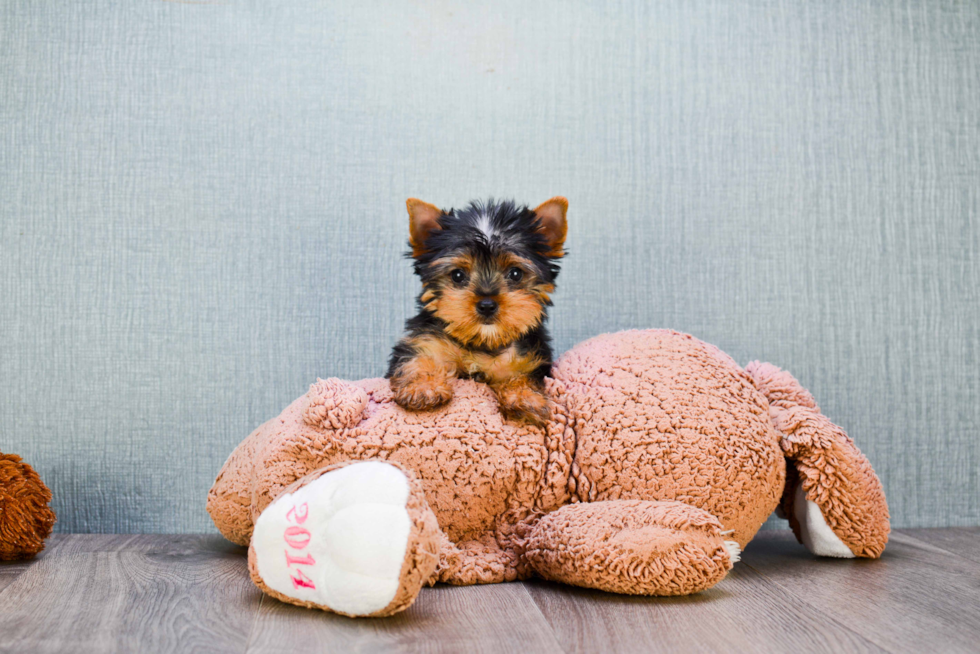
x=487 y=273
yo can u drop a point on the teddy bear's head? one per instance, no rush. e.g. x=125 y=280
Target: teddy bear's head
x=25 y=518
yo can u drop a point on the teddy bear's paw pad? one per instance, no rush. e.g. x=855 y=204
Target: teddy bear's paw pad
x=338 y=542
x=815 y=533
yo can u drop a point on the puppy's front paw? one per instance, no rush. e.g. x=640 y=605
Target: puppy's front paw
x=422 y=393
x=520 y=401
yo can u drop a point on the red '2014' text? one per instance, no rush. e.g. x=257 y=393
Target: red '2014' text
x=298 y=538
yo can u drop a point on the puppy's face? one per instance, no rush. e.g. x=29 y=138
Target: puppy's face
x=487 y=299
x=488 y=270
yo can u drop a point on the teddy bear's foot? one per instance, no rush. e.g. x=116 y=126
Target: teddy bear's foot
x=815 y=533
x=358 y=539
x=632 y=546
x=833 y=500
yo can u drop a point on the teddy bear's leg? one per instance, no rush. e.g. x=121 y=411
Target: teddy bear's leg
x=632 y=546
x=357 y=539
x=833 y=499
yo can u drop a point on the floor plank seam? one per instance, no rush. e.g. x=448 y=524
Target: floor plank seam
x=255 y=620
x=544 y=618
x=816 y=611
x=927 y=544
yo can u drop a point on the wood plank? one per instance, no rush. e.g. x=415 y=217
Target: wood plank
x=964 y=541
x=917 y=597
x=494 y=618
x=174 y=597
x=10 y=570
x=97 y=593
x=79 y=543
x=743 y=613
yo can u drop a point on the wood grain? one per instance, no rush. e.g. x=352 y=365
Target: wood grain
x=10 y=570
x=151 y=593
x=174 y=596
x=495 y=618
x=743 y=613
x=917 y=597
x=964 y=541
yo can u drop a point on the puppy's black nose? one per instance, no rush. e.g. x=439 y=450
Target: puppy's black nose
x=486 y=307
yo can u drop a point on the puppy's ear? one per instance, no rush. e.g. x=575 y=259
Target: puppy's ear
x=423 y=219
x=552 y=225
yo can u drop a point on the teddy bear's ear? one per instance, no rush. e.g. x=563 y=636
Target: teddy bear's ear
x=552 y=225
x=334 y=404
x=423 y=219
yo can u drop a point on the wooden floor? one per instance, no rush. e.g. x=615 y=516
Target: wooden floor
x=192 y=593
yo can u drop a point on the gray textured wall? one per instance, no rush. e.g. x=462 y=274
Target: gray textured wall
x=202 y=211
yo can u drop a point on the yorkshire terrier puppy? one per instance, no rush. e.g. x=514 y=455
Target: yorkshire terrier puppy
x=487 y=271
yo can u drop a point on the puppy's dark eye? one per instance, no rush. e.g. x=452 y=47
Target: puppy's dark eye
x=458 y=276
x=515 y=274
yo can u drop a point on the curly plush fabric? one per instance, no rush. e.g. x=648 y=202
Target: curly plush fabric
x=828 y=464
x=25 y=518
x=631 y=547
x=661 y=458
x=662 y=415
x=334 y=404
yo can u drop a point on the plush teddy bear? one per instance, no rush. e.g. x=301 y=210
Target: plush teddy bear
x=25 y=518
x=660 y=461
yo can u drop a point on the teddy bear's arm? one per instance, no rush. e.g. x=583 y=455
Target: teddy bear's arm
x=834 y=501
x=632 y=546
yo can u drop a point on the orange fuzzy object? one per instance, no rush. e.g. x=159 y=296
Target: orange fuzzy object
x=661 y=459
x=25 y=518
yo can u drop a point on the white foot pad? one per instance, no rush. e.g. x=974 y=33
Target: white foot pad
x=815 y=533
x=339 y=541
x=734 y=551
